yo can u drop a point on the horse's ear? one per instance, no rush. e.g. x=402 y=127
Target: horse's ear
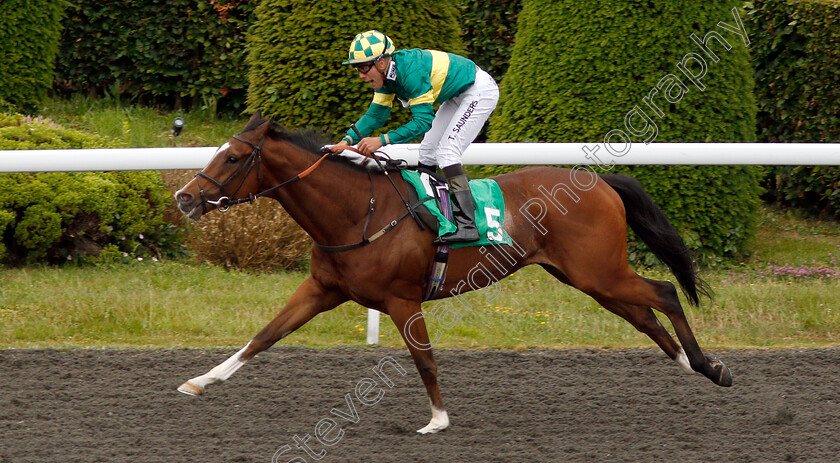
x=255 y=121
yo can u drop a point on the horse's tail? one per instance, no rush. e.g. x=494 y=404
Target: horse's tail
x=653 y=228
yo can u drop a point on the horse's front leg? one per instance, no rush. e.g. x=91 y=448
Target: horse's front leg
x=409 y=320
x=310 y=299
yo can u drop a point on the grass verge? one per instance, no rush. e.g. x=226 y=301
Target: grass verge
x=171 y=304
x=783 y=295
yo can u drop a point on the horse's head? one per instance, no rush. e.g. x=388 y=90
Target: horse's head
x=233 y=173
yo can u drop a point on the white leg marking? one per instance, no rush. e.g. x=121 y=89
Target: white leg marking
x=440 y=421
x=682 y=360
x=218 y=374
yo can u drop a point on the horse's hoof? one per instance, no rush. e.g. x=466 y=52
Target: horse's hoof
x=431 y=428
x=722 y=375
x=437 y=424
x=189 y=388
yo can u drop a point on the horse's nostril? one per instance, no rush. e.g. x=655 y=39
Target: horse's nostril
x=184 y=197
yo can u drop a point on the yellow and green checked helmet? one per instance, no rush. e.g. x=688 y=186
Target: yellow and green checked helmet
x=369 y=46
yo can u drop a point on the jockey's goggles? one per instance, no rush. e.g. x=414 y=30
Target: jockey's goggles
x=364 y=68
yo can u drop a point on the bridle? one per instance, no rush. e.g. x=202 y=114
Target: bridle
x=254 y=159
x=224 y=202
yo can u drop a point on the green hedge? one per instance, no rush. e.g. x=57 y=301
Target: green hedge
x=296 y=51
x=797 y=67
x=489 y=28
x=89 y=40
x=812 y=189
x=56 y=217
x=579 y=69
x=29 y=31
x=174 y=52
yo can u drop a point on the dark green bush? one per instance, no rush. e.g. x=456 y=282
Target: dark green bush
x=796 y=55
x=55 y=217
x=296 y=50
x=579 y=69
x=813 y=189
x=29 y=31
x=176 y=52
x=489 y=28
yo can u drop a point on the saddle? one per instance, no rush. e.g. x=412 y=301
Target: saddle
x=489 y=206
x=441 y=188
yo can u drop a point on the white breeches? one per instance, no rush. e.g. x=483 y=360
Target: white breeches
x=458 y=121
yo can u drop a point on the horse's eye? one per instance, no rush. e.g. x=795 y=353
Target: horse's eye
x=232 y=159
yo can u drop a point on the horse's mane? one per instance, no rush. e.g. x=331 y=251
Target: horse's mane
x=307 y=138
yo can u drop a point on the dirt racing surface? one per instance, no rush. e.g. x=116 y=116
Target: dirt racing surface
x=300 y=405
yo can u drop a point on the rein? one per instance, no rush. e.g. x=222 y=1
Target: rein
x=408 y=207
x=255 y=159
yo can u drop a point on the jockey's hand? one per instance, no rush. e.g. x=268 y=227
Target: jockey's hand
x=339 y=147
x=369 y=144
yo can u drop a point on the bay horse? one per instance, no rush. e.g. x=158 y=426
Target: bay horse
x=335 y=202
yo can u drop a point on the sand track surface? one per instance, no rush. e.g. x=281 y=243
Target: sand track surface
x=505 y=406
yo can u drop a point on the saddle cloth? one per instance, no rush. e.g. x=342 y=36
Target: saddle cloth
x=489 y=208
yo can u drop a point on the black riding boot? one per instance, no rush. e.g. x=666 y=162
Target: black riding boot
x=464 y=215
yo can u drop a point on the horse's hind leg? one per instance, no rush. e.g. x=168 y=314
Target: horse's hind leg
x=643 y=319
x=630 y=296
x=310 y=299
x=669 y=303
x=662 y=295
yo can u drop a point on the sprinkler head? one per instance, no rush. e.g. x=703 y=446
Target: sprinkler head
x=177 y=126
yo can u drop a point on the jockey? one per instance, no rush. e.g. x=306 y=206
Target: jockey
x=418 y=79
